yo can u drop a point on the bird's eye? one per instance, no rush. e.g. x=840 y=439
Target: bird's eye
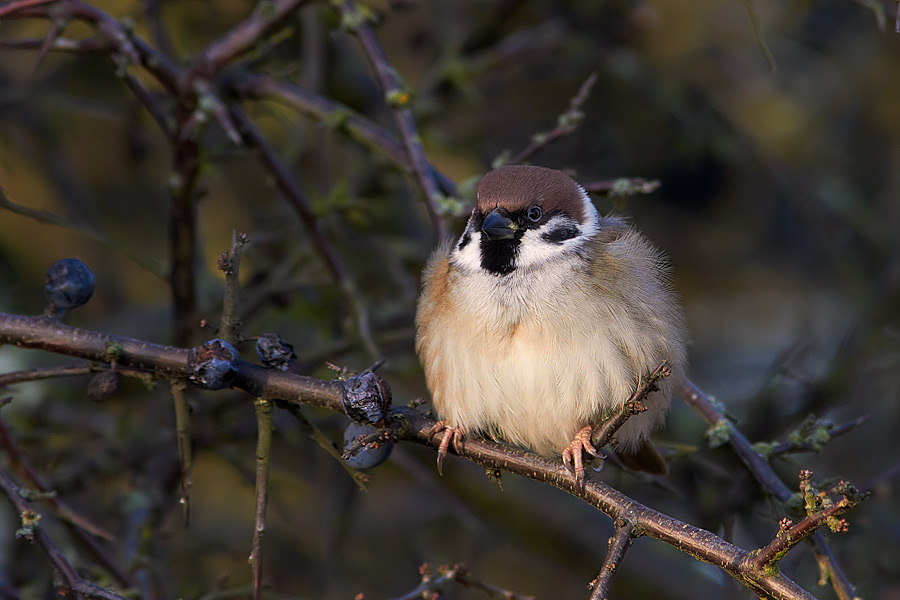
x=535 y=213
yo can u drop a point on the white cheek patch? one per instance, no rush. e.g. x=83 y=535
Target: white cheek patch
x=469 y=257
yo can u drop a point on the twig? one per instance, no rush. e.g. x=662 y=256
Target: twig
x=604 y=433
x=80 y=527
x=398 y=98
x=183 y=435
x=618 y=545
x=21 y=4
x=819 y=512
x=151 y=104
x=47 y=218
x=158 y=31
x=266 y=17
x=324 y=442
x=878 y=10
x=45 y=373
x=69 y=582
x=53 y=34
x=796 y=445
x=62 y=510
x=566 y=123
x=410 y=424
x=263 y=456
x=336 y=115
x=763 y=473
x=85 y=46
x=230 y=264
x=183 y=226
x=431 y=586
x=295 y=196
x=129 y=47
x=758 y=34
x=623 y=186
x=41 y=373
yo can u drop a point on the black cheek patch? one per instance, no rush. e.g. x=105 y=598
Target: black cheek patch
x=560 y=234
x=466 y=238
x=499 y=256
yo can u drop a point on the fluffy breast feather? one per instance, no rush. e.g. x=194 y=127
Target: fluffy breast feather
x=533 y=356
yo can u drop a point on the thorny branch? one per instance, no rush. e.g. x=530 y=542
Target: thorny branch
x=409 y=424
x=254 y=86
x=230 y=264
x=431 y=586
x=603 y=434
x=566 y=123
x=183 y=435
x=296 y=197
x=767 y=478
x=263 y=458
x=67 y=581
x=618 y=545
x=398 y=98
x=80 y=527
x=821 y=510
x=623 y=186
x=186 y=86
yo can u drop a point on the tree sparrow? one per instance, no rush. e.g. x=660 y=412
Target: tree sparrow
x=542 y=320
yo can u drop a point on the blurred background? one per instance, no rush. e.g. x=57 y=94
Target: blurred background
x=774 y=132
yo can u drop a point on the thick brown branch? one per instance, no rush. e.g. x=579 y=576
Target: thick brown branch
x=618 y=545
x=409 y=424
x=50 y=335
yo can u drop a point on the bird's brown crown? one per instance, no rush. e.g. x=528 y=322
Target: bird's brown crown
x=519 y=187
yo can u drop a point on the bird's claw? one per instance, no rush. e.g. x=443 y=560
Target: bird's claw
x=450 y=435
x=572 y=454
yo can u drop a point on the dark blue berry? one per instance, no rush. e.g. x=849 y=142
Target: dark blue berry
x=366 y=398
x=70 y=284
x=274 y=352
x=376 y=450
x=213 y=365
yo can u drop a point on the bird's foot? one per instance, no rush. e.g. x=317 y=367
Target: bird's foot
x=572 y=454
x=450 y=435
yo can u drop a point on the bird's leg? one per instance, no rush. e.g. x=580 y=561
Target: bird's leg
x=451 y=434
x=572 y=453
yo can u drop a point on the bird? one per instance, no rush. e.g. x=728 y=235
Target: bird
x=542 y=318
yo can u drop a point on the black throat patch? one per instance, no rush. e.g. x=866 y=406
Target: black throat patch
x=498 y=257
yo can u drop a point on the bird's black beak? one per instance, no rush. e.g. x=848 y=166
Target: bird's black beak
x=496 y=226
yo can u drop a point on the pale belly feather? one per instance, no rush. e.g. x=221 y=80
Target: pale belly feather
x=532 y=377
